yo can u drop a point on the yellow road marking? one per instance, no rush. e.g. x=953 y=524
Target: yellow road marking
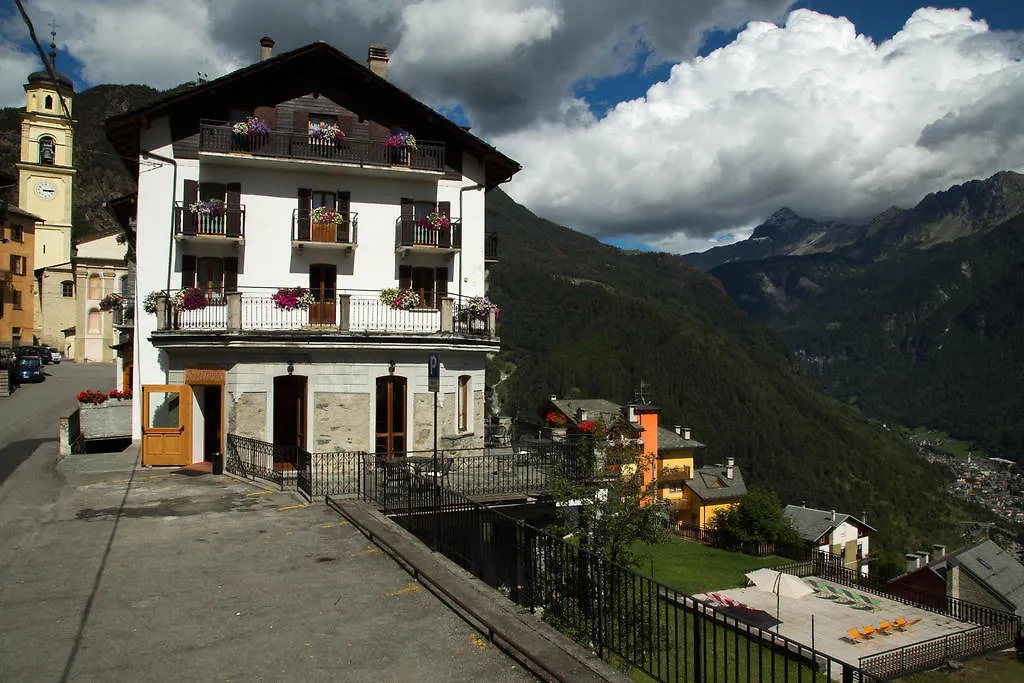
x=412 y=587
x=331 y=526
x=369 y=549
x=259 y=493
x=291 y=507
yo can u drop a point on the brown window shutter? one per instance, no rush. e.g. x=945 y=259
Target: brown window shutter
x=231 y=274
x=444 y=237
x=190 y=197
x=188 y=271
x=268 y=114
x=300 y=121
x=405 y=277
x=344 y=206
x=407 y=226
x=302 y=215
x=233 y=204
x=440 y=285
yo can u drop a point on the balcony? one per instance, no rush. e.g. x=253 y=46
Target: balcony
x=124 y=317
x=341 y=236
x=490 y=247
x=347 y=315
x=199 y=227
x=218 y=138
x=413 y=237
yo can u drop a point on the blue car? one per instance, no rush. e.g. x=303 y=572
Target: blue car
x=30 y=369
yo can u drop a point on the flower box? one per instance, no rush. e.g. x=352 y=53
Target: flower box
x=109 y=420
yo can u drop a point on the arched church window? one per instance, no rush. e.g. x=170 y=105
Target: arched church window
x=47 y=146
x=48 y=102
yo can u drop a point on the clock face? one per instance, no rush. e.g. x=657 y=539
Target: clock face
x=46 y=190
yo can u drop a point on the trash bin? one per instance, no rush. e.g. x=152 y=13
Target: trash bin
x=218 y=463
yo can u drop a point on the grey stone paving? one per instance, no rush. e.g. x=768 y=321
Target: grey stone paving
x=110 y=573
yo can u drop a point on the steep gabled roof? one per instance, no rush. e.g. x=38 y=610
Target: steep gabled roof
x=314 y=68
x=813 y=524
x=713 y=483
x=995 y=568
x=609 y=413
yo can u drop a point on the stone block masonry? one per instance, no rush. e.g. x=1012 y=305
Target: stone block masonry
x=341 y=420
x=248 y=417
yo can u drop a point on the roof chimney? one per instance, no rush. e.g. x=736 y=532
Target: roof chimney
x=686 y=433
x=730 y=465
x=554 y=397
x=581 y=415
x=266 y=48
x=679 y=429
x=938 y=551
x=377 y=60
x=913 y=561
x=833 y=515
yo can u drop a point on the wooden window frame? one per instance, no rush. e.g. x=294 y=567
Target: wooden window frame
x=214 y=291
x=17 y=233
x=67 y=289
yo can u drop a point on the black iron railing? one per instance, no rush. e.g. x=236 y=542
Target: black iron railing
x=219 y=137
x=272 y=463
x=626 y=617
x=933 y=653
x=231 y=223
x=411 y=234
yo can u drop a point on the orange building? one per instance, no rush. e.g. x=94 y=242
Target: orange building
x=17 y=265
x=694 y=494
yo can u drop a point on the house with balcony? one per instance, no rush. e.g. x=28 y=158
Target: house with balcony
x=306 y=233
x=836 y=533
x=693 y=493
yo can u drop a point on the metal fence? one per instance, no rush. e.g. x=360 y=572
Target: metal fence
x=627 y=618
x=929 y=654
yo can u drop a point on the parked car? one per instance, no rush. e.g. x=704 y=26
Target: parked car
x=30 y=369
x=56 y=355
x=44 y=353
x=28 y=351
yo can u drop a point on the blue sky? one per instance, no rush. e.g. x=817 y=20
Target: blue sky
x=683 y=155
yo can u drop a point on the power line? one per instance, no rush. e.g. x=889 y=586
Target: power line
x=46 y=64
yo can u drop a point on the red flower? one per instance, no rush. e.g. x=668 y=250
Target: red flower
x=556 y=418
x=591 y=426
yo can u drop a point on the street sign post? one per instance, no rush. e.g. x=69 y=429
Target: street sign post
x=434 y=385
x=434 y=372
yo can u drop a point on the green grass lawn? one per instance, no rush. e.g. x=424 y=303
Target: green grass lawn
x=690 y=567
x=949 y=445
x=995 y=667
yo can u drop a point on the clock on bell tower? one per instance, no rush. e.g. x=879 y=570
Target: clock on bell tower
x=45 y=169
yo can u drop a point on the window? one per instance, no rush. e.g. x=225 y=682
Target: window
x=431 y=284
x=423 y=284
x=48 y=102
x=15 y=336
x=47 y=147
x=18 y=264
x=17 y=233
x=326 y=199
x=95 y=321
x=67 y=288
x=463 y=399
x=321 y=120
x=16 y=299
x=95 y=287
x=210 y=277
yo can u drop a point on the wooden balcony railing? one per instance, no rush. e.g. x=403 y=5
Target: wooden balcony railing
x=305 y=230
x=410 y=234
x=218 y=137
x=231 y=224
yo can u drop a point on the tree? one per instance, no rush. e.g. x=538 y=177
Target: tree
x=759 y=517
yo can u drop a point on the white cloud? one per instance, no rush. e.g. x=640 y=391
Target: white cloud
x=809 y=115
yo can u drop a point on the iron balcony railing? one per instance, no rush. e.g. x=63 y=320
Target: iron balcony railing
x=411 y=233
x=305 y=230
x=331 y=311
x=230 y=224
x=219 y=137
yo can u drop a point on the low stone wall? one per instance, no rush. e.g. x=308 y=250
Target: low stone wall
x=110 y=420
x=70 y=430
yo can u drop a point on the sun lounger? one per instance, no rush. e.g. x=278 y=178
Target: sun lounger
x=885 y=627
x=872 y=603
x=902 y=623
x=855 y=636
x=852 y=599
x=867 y=631
x=839 y=595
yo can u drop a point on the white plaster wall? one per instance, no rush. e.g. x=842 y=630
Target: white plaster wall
x=844 y=533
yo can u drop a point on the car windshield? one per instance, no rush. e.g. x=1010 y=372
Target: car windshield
x=30 y=362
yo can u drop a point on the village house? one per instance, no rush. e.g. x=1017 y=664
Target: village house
x=836 y=533
x=17 y=246
x=693 y=493
x=306 y=234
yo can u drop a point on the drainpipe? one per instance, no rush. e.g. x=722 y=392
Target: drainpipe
x=478 y=186
x=174 y=194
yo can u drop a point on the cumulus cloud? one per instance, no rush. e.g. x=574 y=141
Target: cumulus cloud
x=809 y=115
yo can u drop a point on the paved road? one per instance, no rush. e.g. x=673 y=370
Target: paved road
x=110 y=571
x=30 y=416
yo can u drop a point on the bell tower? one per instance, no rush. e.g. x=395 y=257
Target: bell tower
x=45 y=170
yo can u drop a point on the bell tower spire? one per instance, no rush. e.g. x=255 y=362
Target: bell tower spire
x=53 y=43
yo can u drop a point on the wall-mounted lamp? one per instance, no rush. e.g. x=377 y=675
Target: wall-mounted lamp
x=391 y=367
x=291 y=367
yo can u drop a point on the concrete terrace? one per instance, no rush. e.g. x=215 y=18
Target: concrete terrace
x=130 y=573
x=832 y=619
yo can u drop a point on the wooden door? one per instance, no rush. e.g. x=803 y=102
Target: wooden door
x=289 y=419
x=390 y=429
x=323 y=279
x=166 y=424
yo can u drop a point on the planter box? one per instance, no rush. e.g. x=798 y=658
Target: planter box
x=109 y=420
